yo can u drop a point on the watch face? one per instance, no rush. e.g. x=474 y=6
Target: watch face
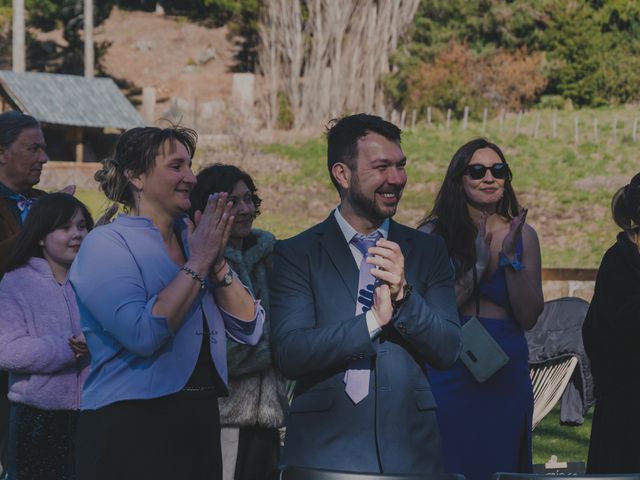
x=228 y=278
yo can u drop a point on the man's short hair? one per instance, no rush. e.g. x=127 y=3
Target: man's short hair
x=12 y=123
x=343 y=135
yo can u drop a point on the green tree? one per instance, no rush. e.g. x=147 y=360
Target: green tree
x=575 y=44
x=242 y=18
x=48 y=15
x=5 y=34
x=591 y=47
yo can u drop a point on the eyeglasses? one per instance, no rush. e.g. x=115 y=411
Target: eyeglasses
x=498 y=170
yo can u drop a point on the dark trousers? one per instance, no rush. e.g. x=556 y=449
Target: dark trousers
x=258 y=450
x=172 y=437
x=41 y=443
x=4 y=418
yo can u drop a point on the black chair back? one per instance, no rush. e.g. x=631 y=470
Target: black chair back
x=299 y=473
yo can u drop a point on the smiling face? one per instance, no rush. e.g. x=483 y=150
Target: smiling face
x=166 y=187
x=376 y=183
x=21 y=162
x=244 y=211
x=488 y=191
x=61 y=245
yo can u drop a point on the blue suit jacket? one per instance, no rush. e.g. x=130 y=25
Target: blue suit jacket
x=315 y=335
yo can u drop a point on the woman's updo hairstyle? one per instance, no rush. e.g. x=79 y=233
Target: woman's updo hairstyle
x=135 y=154
x=625 y=205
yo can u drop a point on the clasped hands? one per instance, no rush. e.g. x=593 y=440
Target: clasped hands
x=78 y=344
x=208 y=235
x=388 y=260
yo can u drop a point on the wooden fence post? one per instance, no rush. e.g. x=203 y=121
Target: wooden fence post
x=429 y=116
x=403 y=117
x=536 y=129
x=465 y=119
x=413 y=120
x=196 y=112
x=448 y=118
x=394 y=116
x=149 y=104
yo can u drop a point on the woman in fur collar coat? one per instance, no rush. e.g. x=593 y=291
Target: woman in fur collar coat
x=253 y=413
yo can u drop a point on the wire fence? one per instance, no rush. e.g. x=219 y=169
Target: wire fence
x=578 y=127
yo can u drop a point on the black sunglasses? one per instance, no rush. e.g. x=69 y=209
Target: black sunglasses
x=498 y=170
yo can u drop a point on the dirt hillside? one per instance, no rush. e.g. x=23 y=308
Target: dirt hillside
x=177 y=57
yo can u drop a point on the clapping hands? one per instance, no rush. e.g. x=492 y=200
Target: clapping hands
x=209 y=232
x=483 y=245
x=514 y=236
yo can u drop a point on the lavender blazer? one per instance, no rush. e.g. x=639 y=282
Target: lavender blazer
x=117 y=275
x=37 y=318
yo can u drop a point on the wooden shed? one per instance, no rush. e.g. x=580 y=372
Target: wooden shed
x=80 y=116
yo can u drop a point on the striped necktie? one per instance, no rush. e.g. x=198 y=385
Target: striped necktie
x=357 y=376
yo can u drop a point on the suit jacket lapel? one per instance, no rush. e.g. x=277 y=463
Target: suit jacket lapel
x=334 y=243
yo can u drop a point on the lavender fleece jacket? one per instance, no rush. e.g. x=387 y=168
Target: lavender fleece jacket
x=37 y=316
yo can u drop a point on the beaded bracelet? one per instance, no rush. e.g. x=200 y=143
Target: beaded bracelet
x=193 y=275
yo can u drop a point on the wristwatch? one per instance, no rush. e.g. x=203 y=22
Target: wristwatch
x=406 y=293
x=226 y=280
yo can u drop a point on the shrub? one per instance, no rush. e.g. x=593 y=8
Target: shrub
x=456 y=79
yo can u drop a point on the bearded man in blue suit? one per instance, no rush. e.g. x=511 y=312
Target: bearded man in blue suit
x=354 y=325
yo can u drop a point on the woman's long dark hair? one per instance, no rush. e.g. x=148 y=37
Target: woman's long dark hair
x=450 y=213
x=48 y=213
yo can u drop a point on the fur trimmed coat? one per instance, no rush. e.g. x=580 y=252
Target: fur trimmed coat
x=257 y=392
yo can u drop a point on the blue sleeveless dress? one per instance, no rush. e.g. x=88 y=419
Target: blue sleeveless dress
x=486 y=427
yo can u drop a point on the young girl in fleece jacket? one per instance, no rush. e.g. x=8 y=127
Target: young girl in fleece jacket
x=41 y=344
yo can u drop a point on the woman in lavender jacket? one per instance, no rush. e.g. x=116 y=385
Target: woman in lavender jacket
x=41 y=344
x=157 y=300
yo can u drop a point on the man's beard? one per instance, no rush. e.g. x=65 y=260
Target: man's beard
x=365 y=206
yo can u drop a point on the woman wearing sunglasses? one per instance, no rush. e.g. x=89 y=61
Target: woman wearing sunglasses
x=486 y=426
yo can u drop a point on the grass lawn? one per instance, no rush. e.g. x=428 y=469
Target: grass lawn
x=566 y=187
x=569 y=444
